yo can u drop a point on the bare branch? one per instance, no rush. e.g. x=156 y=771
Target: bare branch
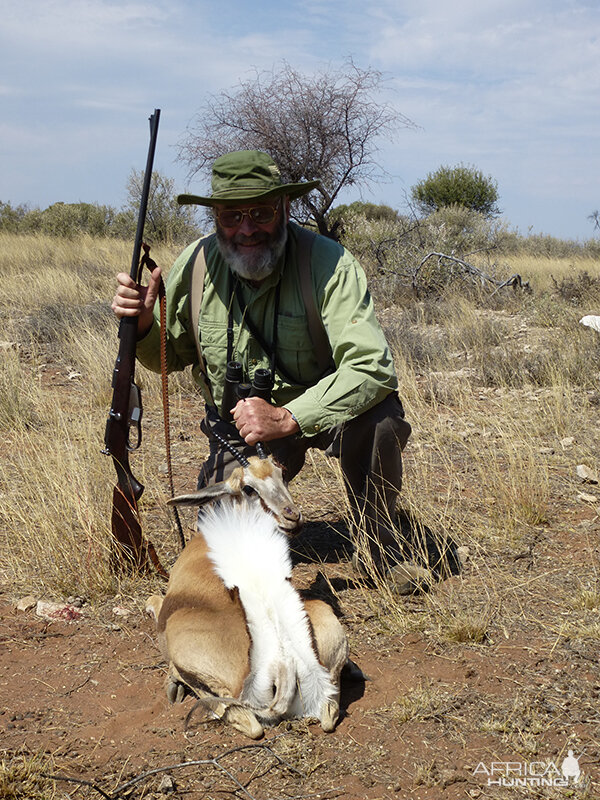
x=214 y=762
x=323 y=126
x=472 y=271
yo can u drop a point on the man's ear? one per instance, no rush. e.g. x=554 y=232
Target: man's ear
x=286 y=208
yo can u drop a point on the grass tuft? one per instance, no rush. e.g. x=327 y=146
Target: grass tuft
x=24 y=777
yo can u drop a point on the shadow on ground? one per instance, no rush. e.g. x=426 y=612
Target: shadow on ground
x=330 y=542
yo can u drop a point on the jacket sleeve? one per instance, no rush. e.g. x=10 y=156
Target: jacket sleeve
x=364 y=371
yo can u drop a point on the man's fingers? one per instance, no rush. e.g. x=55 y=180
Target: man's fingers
x=127 y=301
x=129 y=297
x=258 y=421
x=132 y=300
x=151 y=292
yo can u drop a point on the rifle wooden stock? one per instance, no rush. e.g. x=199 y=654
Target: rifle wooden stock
x=127 y=532
x=131 y=549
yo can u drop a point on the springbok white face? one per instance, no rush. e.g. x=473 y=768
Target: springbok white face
x=261 y=481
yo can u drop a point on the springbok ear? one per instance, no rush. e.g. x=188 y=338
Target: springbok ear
x=202 y=496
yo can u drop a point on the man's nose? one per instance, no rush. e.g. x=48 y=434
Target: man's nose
x=247 y=227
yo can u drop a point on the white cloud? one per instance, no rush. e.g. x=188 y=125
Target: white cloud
x=54 y=25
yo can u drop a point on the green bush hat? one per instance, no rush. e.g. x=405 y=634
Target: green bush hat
x=243 y=176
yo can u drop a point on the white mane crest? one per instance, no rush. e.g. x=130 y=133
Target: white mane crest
x=245 y=544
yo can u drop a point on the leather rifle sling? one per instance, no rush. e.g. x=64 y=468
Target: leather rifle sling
x=151 y=265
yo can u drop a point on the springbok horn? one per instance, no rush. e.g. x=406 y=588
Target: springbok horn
x=262 y=453
x=229 y=447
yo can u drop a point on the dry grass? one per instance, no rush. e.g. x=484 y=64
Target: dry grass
x=24 y=777
x=474 y=466
x=421 y=703
x=59 y=347
x=503 y=398
x=543 y=272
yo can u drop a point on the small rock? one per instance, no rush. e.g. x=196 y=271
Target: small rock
x=591 y=321
x=450 y=776
x=546 y=451
x=587 y=498
x=120 y=611
x=586 y=474
x=57 y=611
x=26 y=603
x=463 y=554
x=77 y=601
x=568 y=441
x=166 y=785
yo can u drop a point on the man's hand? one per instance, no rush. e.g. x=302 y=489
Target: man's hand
x=132 y=300
x=259 y=421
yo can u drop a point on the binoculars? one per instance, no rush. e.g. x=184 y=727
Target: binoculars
x=235 y=389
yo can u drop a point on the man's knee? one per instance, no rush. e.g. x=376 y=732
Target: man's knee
x=390 y=415
x=384 y=421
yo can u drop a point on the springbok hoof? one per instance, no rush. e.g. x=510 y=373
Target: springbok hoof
x=330 y=713
x=244 y=720
x=176 y=691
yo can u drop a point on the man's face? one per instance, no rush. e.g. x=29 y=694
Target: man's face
x=250 y=246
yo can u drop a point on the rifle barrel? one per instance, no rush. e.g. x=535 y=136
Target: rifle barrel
x=139 y=234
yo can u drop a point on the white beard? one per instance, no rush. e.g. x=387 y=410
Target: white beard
x=254 y=266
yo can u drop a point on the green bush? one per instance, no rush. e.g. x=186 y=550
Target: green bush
x=541 y=245
x=71 y=219
x=392 y=251
x=370 y=211
x=457 y=186
x=578 y=288
x=166 y=221
x=11 y=218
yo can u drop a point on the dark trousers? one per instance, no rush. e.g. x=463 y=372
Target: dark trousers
x=370 y=451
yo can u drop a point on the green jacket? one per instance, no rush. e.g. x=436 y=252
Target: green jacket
x=364 y=372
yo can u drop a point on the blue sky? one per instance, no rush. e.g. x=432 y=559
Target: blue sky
x=511 y=87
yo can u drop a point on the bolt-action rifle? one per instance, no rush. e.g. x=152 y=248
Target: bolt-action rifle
x=131 y=550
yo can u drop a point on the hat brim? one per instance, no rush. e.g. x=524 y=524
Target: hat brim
x=239 y=195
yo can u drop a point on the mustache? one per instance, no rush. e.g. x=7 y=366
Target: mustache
x=256 y=238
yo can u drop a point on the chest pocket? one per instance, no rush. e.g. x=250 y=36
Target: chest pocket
x=295 y=349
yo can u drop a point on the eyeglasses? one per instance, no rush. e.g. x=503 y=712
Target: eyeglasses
x=260 y=215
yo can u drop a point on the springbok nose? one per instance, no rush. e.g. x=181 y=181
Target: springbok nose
x=290 y=521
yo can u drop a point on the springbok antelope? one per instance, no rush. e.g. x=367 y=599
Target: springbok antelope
x=232 y=627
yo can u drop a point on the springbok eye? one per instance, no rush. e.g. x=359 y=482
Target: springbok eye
x=248 y=490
